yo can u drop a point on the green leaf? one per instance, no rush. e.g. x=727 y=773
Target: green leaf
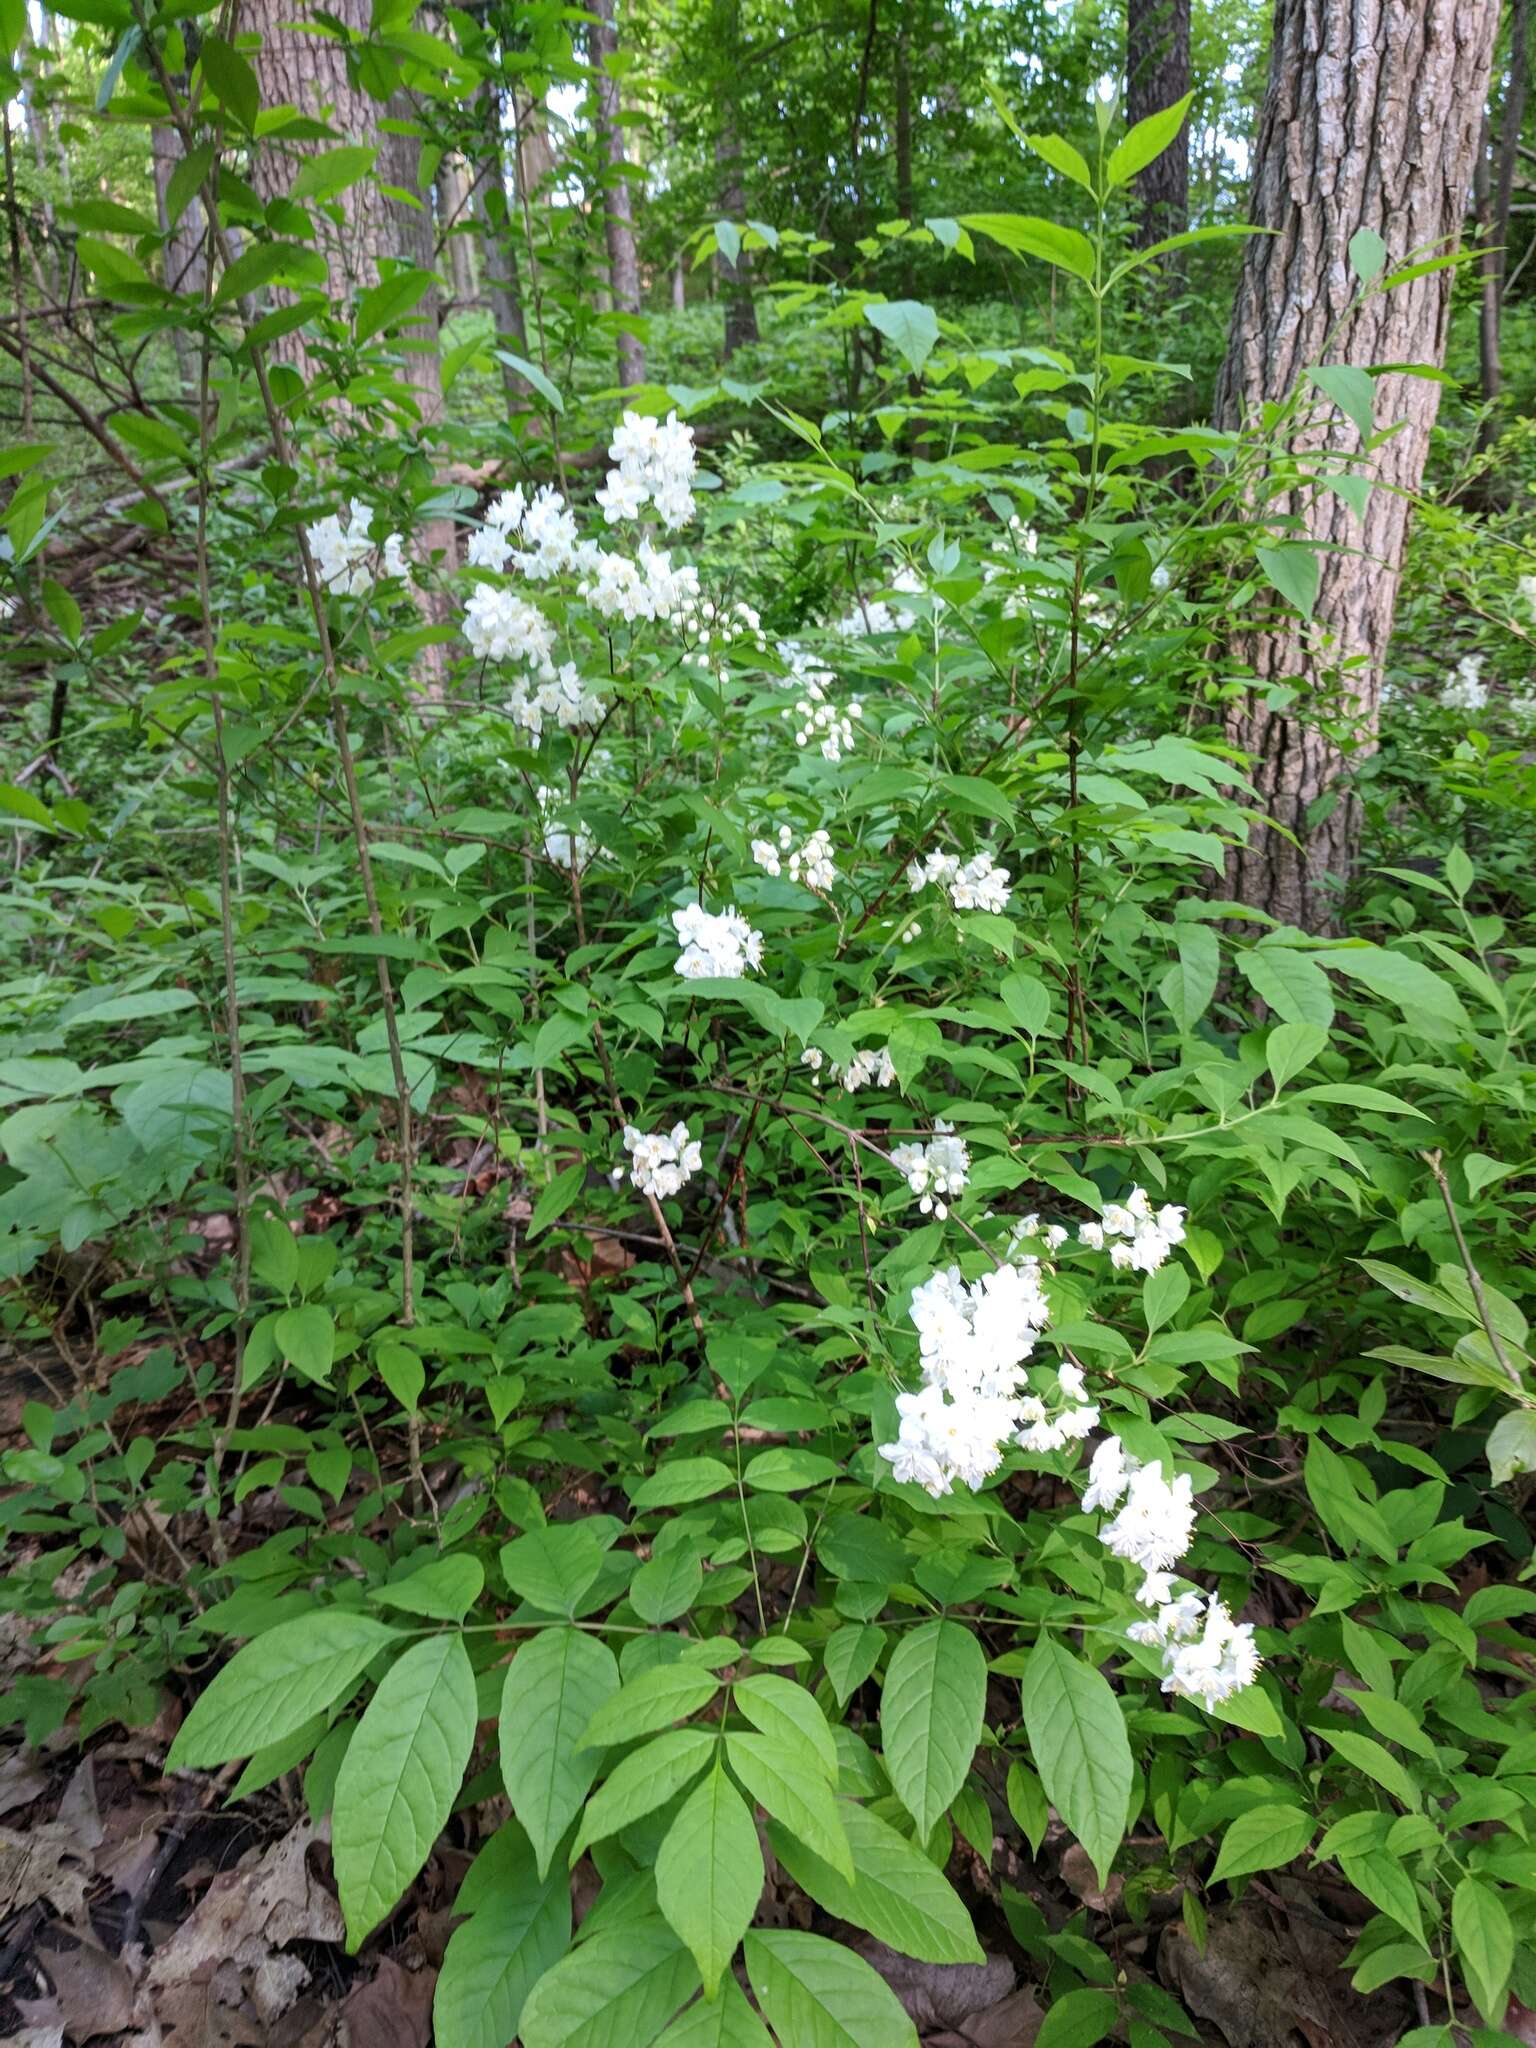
x=667 y=1586
x=709 y=1874
x=389 y=302
x=274 y=1253
x=445 y=1588
x=1189 y=987
x=401 y=1370
x=399 y=1779
x=1381 y=1878
x=307 y=1339
x=786 y=1711
x=789 y=1469
x=554 y=1685
x=1295 y=571
x=1352 y=390
x=1376 y=1762
x=666 y=1693
x=1367 y=254
x=1291 y=1047
x=519 y=1927
x=726 y=2022
x=1061 y=156
x=1028 y=1001
x=232 y=80
x=557 y=1197
x=332 y=171
x=617 y=1990
x=1147 y=141
x=1485 y=1945
x=1078 y=1740
x=913 y=328
x=1263 y=1838
x=1415 y=988
x=269 y=1689
x=851 y=1654
x=681 y=1480
x=647 y=1778
x=1026 y=235
x=896 y=1893
x=1292 y=984
x=1079 y=2019
x=532 y=375
x=930 y=1717
x=1512 y=1446
x=818 y=1994
x=553 y=1566
x=795 y=1792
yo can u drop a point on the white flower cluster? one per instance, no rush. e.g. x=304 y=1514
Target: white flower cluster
x=876 y=616
x=867 y=1069
x=347 y=560
x=654 y=463
x=501 y=626
x=720 y=624
x=1207 y=1656
x=1466 y=690
x=811 y=863
x=831 y=729
x=939 y=1168
x=973 y=1341
x=722 y=944
x=1053 y=1236
x=975 y=884
x=645 y=588
x=661 y=1163
x=1138 y=1240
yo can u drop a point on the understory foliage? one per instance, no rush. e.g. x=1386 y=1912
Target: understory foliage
x=653 y=1178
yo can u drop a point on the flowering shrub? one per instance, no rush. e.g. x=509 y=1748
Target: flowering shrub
x=846 y=1297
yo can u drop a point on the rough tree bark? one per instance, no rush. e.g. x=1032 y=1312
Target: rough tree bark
x=618 y=199
x=498 y=243
x=1498 y=178
x=734 y=277
x=1370 y=119
x=1156 y=75
x=310 y=72
x=455 y=216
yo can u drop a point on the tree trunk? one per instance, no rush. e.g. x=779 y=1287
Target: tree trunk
x=904 y=147
x=1488 y=296
x=734 y=277
x=618 y=199
x=498 y=246
x=1370 y=119
x=310 y=72
x=1157 y=75
x=186 y=246
x=1494 y=217
x=454 y=223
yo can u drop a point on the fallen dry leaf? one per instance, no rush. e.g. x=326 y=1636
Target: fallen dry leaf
x=92 y=1991
x=392 y=2010
x=47 y=1862
x=940 y=1994
x=247 y=1913
x=23 y=1778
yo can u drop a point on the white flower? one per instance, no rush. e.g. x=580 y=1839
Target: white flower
x=565 y=847
x=939 y=1168
x=1219 y=1662
x=551 y=545
x=501 y=626
x=1138 y=1240
x=654 y=460
x=811 y=863
x=1109 y=1473
x=1466 y=691
x=347 y=560
x=506 y=512
x=1154 y=1527
x=976 y=884
x=973 y=1340
x=663 y=1162
x=488 y=548
x=558 y=694
x=1527 y=590
x=723 y=944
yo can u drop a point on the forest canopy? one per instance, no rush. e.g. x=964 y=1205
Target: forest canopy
x=767 y=1024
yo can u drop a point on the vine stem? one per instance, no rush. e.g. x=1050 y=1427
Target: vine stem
x=1474 y=1279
